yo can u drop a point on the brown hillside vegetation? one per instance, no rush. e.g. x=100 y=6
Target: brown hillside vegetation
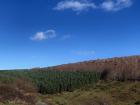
x=21 y=91
x=113 y=68
x=103 y=93
x=114 y=81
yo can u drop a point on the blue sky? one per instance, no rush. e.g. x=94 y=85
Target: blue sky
x=40 y=33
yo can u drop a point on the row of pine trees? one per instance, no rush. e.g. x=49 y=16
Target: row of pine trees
x=50 y=82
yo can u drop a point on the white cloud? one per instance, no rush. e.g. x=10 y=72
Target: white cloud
x=75 y=5
x=82 y=5
x=115 y=5
x=84 y=53
x=39 y=36
x=50 y=34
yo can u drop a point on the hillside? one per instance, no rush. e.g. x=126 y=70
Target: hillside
x=114 y=81
x=114 y=68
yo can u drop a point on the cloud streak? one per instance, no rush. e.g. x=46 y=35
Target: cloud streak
x=111 y=5
x=84 y=53
x=82 y=5
x=65 y=37
x=75 y=5
x=39 y=36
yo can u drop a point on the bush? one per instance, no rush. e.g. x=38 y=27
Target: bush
x=9 y=93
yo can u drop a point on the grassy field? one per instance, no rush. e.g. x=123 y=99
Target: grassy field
x=103 y=93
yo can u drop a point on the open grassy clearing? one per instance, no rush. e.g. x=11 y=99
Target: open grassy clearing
x=103 y=93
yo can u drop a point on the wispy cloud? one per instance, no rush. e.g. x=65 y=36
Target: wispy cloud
x=65 y=37
x=84 y=52
x=82 y=5
x=75 y=5
x=39 y=36
x=115 y=5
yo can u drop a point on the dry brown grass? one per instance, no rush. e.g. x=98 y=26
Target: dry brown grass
x=123 y=68
x=24 y=85
x=104 y=93
x=19 y=90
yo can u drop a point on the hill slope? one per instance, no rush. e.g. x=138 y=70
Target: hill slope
x=115 y=68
